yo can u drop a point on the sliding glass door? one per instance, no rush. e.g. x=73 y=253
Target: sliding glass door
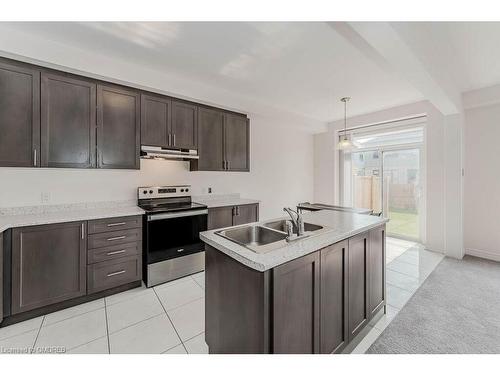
x=402 y=192
x=384 y=174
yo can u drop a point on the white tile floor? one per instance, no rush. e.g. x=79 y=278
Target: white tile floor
x=170 y=318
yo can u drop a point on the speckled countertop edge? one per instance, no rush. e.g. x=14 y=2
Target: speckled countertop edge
x=52 y=214
x=291 y=251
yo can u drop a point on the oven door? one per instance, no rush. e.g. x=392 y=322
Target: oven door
x=174 y=234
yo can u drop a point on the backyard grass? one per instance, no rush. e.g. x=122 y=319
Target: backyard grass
x=403 y=224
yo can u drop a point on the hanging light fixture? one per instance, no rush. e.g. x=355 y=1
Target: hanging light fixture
x=346 y=144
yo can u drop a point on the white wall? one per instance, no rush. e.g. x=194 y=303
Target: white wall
x=434 y=233
x=482 y=181
x=281 y=175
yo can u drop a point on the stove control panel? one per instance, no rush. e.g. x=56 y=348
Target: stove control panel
x=164 y=191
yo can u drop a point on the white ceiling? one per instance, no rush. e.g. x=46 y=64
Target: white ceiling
x=301 y=68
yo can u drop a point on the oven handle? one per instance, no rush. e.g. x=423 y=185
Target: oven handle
x=176 y=214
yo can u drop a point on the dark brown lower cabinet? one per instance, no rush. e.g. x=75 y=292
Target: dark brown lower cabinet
x=314 y=304
x=1 y=277
x=334 y=310
x=296 y=302
x=48 y=265
x=358 y=283
x=222 y=217
x=377 y=270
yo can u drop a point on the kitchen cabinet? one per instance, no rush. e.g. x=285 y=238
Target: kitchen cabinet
x=222 y=217
x=316 y=303
x=210 y=141
x=358 y=283
x=156 y=115
x=68 y=122
x=184 y=127
x=236 y=142
x=223 y=141
x=334 y=280
x=48 y=265
x=296 y=306
x=118 y=127
x=19 y=115
x=376 y=264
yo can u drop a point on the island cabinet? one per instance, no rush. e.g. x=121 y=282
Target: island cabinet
x=19 y=115
x=1 y=277
x=222 y=217
x=316 y=303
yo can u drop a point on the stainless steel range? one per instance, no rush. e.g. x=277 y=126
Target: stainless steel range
x=172 y=247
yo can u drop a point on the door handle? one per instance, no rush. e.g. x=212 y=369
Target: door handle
x=83 y=231
x=169 y=139
x=227 y=163
x=116 y=224
x=115 y=252
x=174 y=138
x=34 y=157
x=116 y=238
x=115 y=273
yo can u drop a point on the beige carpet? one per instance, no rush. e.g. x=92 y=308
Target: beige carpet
x=456 y=310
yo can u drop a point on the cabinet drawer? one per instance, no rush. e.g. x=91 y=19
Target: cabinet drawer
x=112 y=273
x=114 y=252
x=115 y=223
x=118 y=237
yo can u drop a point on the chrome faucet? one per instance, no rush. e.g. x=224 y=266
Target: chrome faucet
x=297 y=221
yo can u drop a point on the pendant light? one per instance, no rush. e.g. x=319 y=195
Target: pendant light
x=345 y=144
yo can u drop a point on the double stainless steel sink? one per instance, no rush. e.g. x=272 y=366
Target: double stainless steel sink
x=258 y=237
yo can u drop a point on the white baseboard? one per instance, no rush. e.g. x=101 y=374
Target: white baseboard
x=483 y=254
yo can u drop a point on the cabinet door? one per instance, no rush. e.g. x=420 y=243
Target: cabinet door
x=236 y=144
x=118 y=128
x=210 y=140
x=334 y=273
x=19 y=116
x=296 y=315
x=68 y=122
x=48 y=265
x=1 y=277
x=155 y=120
x=377 y=269
x=184 y=125
x=220 y=217
x=248 y=213
x=358 y=283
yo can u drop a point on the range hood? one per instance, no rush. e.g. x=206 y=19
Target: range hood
x=153 y=152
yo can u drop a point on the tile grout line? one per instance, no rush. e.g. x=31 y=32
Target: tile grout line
x=74 y=316
x=107 y=328
x=170 y=320
x=86 y=343
x=38 y=333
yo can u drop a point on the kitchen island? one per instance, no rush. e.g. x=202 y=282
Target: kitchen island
x=312 y=295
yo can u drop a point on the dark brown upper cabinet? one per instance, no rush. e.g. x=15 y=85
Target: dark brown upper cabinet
x=223 y=141
x=236 y=142
x=48 y=265
x=19 y=116
x=184 y=127
x=210 y=141
x=68 y=122
x=156 y=117
x=118 y=128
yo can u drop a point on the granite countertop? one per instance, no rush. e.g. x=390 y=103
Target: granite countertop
x=51 y=214
x=338 y=225
x=213 y=201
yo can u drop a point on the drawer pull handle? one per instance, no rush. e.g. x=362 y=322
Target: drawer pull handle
x=116 y=238
x=115 y=273
x=180 y=250
x=116 y=224
x=115 y=252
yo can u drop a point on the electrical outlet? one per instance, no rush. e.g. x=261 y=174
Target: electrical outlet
x=209 y=190
x=45 y=197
